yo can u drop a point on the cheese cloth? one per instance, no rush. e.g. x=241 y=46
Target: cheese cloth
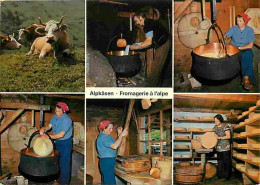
x=127 y=48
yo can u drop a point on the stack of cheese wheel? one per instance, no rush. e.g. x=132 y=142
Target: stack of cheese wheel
x=42 y=146
x=180 y=129
x=182 y=146
x=208 y=130
x=178 y=117
x=184 y=163
x=209 y=140
x=193 y=118
x=254 y=172
x=194 y=129
x=182 y=137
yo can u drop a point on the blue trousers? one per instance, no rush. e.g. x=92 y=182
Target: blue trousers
x=107 y=169
x=247 y=65
x=65 y=148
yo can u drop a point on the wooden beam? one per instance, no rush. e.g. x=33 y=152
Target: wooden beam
x=126 y=14
x=27 y=106
x=161 y=133
x=153 y=111
x=242 y=98
x=11 y=119
x=113 y=2
x=188 y=109
x=66 y=96
x=121 y=150
x=181 y=9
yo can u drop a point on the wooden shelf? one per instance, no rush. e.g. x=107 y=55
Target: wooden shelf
x=190 y=131
x=257 y=106
x=182 y=148
x=256 y=179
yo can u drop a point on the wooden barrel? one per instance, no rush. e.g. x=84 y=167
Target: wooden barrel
x=188 y=174
x=209 y=140
x=211 y=170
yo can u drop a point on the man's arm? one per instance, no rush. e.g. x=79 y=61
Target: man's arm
x=117 y=143
x=46 y=128
x=148 y=42
x=248 y=46
x=61 y=134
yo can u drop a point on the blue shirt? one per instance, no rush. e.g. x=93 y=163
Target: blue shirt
x=63 y=123
x=241 y=37
x=104 y=141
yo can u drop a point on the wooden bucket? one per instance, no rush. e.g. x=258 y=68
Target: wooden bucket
x=188 y=174
x=165 y=166
x=211 y=170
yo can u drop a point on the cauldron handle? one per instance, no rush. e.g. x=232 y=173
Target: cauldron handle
x=37 y=132
x=110 y=42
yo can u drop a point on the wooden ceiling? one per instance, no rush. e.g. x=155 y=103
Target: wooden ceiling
x=220 y=103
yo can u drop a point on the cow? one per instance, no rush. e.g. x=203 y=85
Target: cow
x=29 y=33
x=40 y=46
x=56 y=36
x=9 y=42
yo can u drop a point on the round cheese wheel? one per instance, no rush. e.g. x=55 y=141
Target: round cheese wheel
x=182 y=137
x=209 y=140
x=208 y=118
x=242 y=123
x=182 y=146
x=242 y=134
x=184 y=163
x=178 y=117
x=179 y=129
x=194 y=129
x=193 y=118
x=42 y=146
x=208 y=129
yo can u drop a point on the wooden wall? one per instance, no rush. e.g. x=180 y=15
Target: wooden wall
x=10 y=158
x=182 y=54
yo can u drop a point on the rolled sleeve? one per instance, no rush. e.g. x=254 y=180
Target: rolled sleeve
x=149 y=34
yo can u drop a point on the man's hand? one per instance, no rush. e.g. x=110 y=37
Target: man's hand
x=124 y=133
x=119 y=130
x=42 y=131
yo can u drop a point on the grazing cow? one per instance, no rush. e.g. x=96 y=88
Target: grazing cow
x=9 y=42
x=56 y=35
x=40 y=46
x=29 y=33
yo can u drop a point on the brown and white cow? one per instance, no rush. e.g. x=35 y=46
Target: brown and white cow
x=29 y=34
x=56 y=36
x=9 y=42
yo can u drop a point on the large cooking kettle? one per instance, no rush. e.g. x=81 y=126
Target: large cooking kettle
x=39 y=168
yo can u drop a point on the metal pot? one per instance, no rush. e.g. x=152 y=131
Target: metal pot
x=221 y=68
x=34 y=167
x=124 y=65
